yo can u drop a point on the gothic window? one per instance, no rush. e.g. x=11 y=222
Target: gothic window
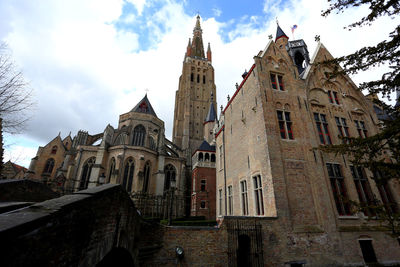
x=363 y=190
x=152 y=143
x=322 y=127
x=338 y=189
x=170 y=175
x=230 y=200
x=333 y=97
x=200 y=156
x=385 y=193
x=139 y=134
x=203 y=185
x=258 y=195
x=111 y=169
x=202 y=204
x=342 y=127
x=285 y=124
x=204 y=79
x=191 y=77
x=121 y=139
x=86 y=171
x=243 y=191
x=48 y=167
x=146 y=177
x=54 y=149
x=362 y=131
x=129 y=170
x=198 y=78
x=207 y=157
x=277 y=82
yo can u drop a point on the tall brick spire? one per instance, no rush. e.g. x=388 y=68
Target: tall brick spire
x=197 y=43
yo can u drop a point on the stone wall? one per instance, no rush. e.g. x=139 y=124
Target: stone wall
x=24 y=190
x=74 y=230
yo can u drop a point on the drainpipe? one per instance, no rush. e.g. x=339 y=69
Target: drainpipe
x=223 y=146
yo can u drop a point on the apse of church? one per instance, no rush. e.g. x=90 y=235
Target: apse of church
x=192 y=99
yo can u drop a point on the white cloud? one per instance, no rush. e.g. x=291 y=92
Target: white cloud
x=217 y=12
x=86 y=71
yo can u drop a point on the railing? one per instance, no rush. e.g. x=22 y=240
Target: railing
x=159 y=206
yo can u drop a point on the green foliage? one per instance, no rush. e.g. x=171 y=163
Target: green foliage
x=380 y=152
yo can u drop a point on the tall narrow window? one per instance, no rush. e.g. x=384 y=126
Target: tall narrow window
x=385 y=193
x=48 y=167
x=362 y=131
x=146 y=175
x=139 y=134
x=258 y=195
x=86 y=171
x=111 y=169
x=363 y=190
x=338 y=189
x=230 y=200
x=204 y=79
x=220 y=201
x=285 y=124
x=343 y=129
x=277 y=82
x=333 y=97
x=322 y=127
x=170 y=175
x=198 y=78
x=129 y=170
x=191 y=77
x=203 y=185
x=152 y=144
x=245 y=204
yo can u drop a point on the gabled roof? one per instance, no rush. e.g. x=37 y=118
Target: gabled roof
x=144 y=106
x=280 y=33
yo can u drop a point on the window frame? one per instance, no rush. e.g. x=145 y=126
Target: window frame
x=277 y=82
x=363 y=188
x=338 y=187
x=244 y=197
x=361 y=129
x=258 y=195
x=322 y=128
x=285 y=124
x=230 y=200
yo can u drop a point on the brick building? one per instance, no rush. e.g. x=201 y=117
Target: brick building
x=285 y=106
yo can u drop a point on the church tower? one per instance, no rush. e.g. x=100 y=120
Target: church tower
x=192 y=99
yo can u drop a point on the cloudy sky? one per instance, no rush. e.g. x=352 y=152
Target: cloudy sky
x=90 y=60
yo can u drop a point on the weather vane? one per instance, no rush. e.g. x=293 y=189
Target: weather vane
x=270 y=36
x=317 y=38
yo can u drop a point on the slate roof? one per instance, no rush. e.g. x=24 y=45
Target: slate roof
x=212 y=114
x=144 y=106
x=205 y=146
x=280 y=33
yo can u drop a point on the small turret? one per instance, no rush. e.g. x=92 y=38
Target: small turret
x=281 y=38
x=209 y=58
x=189 y=48
x=210 y=121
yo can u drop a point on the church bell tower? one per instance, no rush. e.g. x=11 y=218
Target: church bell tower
x=192 y=99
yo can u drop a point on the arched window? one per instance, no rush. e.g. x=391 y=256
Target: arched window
x=121 y=139
x=170 y=175
x=139 y=134
x=86 y=171
x=207 y=157
x=200 y=156
x=128 y=175
x=146 y=177
x=111 y=169
x=48 y=167
x=152 y=143
x=54 y=150
x=212 y=157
